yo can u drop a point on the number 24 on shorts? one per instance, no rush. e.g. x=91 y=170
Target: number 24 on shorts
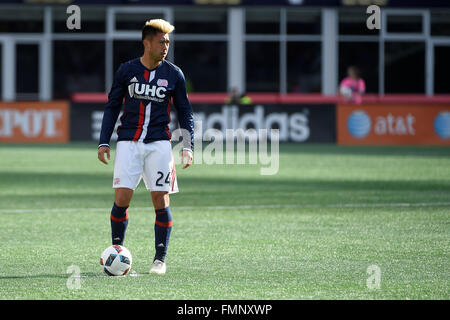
x=161 y=176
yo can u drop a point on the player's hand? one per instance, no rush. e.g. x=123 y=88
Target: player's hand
x=186 y=158
x=101 y=154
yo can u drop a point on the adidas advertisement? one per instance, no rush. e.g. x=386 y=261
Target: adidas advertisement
x=296 y=123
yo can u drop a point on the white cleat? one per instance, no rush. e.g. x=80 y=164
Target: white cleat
x=158 y=267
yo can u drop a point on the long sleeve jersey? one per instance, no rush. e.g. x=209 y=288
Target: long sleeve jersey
x=146 y=95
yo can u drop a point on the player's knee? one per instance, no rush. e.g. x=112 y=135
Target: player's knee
x=123 y=197
x=122 y=201
x=160 y=199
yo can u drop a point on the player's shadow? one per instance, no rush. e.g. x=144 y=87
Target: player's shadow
x=55 y=276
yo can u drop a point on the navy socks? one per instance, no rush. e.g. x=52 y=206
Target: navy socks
x=163 y=227
x=119 y=223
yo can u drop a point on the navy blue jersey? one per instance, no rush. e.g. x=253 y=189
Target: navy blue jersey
x=148 y=95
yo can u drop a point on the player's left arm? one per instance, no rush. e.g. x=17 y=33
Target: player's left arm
x=111 y=113
x=185 y=118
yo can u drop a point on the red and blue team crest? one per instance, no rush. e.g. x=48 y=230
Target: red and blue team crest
x=162 y=83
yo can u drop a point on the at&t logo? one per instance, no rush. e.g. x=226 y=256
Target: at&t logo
x=442 y=124
x=359 y=124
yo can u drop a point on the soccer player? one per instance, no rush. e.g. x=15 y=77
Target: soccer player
x=147 y=86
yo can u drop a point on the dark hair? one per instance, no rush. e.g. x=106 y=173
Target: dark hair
x=355 y=69
x=149 y=31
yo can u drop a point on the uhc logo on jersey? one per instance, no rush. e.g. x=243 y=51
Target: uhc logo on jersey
x=146 y=91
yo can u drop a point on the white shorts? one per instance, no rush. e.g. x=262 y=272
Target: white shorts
x=152 y=161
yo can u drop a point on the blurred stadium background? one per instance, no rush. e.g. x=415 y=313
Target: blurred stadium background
x=278 y=52
x=358 y=185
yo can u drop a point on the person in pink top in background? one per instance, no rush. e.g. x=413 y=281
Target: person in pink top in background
x=353 y=86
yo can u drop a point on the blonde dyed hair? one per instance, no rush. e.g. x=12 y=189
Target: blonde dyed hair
x=160 y=25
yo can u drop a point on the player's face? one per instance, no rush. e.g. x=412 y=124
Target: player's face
x=159 y=46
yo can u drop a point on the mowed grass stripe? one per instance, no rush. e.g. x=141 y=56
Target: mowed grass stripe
x=274 y=206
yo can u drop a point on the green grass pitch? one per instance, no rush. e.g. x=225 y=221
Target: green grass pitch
x=309 y=232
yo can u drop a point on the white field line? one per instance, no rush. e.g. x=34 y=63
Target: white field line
x=268 y=206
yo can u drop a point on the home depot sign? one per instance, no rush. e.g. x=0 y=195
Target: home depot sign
x=34 y=122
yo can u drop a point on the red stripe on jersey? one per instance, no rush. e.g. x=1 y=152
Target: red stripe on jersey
x=140 y=122
x=169 y=134
x=141 y=112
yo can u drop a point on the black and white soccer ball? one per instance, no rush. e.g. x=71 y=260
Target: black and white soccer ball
x=116 y=260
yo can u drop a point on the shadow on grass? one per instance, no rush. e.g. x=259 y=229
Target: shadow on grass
x=376 y=151
x=103 y=182
x=286 y=147
x=34 y=276
x=95 y=189
x=55 y=276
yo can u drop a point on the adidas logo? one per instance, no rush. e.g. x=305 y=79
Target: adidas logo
x=161 y=245
x=134 y=80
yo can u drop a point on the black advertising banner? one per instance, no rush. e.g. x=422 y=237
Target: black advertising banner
x=296 y=123
x=84 y=121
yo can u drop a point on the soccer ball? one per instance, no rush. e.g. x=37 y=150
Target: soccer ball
x=116 y=260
